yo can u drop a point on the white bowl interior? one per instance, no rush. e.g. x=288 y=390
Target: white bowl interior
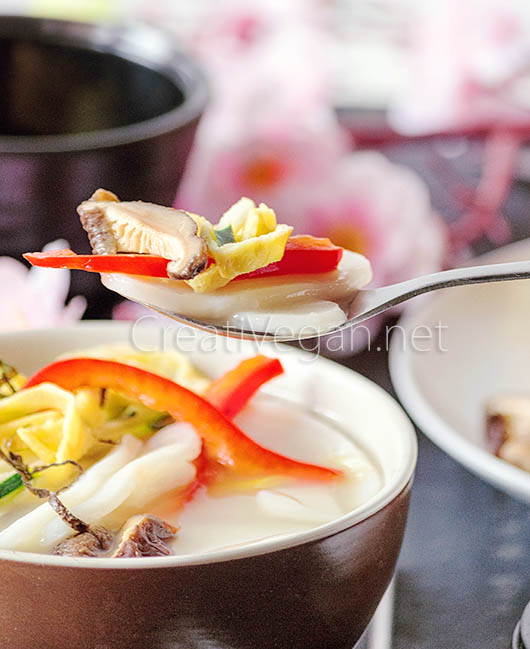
x=486 y=351
x=360 y=407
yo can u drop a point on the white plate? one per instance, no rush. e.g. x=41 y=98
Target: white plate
x=487 y=351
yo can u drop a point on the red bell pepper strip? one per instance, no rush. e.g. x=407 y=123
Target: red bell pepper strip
x=224 y=442
x=132 y=264
x=303 y=254
x=230 y=393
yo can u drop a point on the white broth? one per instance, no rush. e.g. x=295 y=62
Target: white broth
x=212 y=523
x=119 y=485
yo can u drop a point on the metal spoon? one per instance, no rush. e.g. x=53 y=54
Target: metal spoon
x=367 y=303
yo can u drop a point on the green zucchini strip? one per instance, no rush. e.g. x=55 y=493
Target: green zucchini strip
x=11 y=484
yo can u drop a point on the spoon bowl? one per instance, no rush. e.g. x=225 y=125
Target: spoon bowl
x=366 y=303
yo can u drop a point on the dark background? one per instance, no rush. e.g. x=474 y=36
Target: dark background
x=463 y=575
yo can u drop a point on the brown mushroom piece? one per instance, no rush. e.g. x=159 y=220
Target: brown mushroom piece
x=144 y=228
x=93 y=221
x=496 y=433
x=95 y=542
x=508 y=428
x=145 y=535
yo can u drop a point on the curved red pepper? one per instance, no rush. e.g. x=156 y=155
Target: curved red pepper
x=230 y=393
x=224 y=442
x=130 y=264
x=303 y=254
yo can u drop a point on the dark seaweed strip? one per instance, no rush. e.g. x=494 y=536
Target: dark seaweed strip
x=60 y=508
x=55 y=503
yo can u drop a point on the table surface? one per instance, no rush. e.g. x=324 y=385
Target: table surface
x=463 y=577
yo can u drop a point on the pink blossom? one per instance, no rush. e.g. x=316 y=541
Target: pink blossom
x=132 y=311
x=271 y=134
x=383 y=211
x=467 y=62
x=275 y=168
x=469 y=70
x=35 y=298
x=484 y=216
x=270 y=131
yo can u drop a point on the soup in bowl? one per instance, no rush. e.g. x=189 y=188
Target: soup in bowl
x=295 y=555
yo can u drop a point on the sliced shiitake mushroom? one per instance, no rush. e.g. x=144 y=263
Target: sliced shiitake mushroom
x=145 y=228
x=93 y=221
x=95 y=542
x=145 y=535
x=508 y=428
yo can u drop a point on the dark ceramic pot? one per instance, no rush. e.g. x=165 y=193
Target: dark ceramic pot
x=85 y=106
x=311 y=590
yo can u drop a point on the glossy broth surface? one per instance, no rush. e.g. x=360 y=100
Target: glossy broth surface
x=212 y=523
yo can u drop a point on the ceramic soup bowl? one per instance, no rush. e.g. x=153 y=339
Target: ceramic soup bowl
x=315 y=589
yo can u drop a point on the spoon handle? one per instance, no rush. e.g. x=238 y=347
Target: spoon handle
x=370 y=302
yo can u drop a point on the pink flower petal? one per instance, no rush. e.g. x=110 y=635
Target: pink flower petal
x=35 y=298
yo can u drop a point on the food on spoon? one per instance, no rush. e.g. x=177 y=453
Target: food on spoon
x=115 y=226
x=247 y=271
x=132 y=264
x=303 y=254
x=127 y=496
x=508 y=428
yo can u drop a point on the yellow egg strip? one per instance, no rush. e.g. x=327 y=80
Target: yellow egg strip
x=75 y=438
x=259 y=241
